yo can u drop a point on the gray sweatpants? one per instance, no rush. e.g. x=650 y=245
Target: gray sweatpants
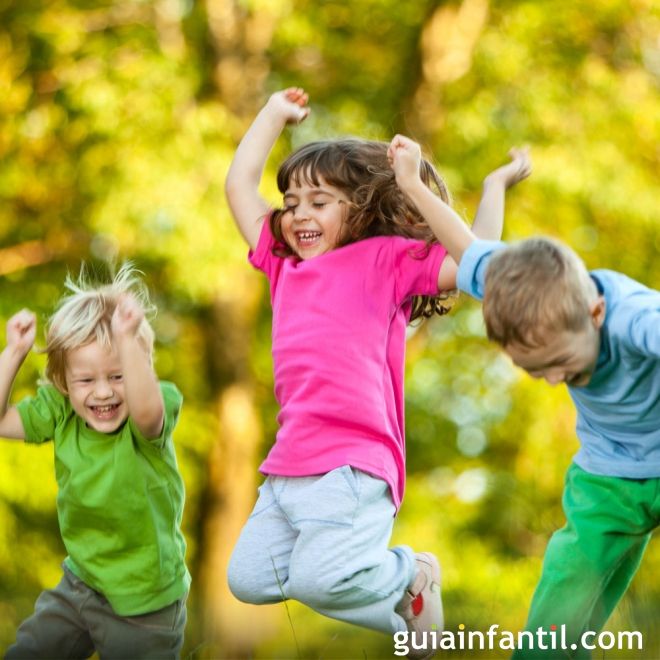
x=324 y=541
x=72 y=621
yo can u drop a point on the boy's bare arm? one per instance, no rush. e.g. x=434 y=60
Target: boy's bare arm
x=141 y=387
x=245 y=172
x=489 y=220
x=21 y=332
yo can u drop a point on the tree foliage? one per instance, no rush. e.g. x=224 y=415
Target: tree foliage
x=118 y=120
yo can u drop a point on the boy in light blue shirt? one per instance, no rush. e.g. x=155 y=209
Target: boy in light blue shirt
x=599 y=333
x=617 y=395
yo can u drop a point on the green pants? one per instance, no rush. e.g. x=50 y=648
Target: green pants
x=590 y=562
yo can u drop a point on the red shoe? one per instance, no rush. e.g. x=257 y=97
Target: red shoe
x=421 y=606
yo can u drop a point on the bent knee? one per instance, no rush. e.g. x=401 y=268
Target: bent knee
x=242 y=587
x=250 y=584
x=317 y=591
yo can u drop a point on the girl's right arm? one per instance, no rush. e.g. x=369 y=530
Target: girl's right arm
x=21 y=331
x=242 y=184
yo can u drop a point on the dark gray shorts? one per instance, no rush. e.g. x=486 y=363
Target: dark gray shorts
x=72 y=621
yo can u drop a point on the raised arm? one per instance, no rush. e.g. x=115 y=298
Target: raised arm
x=449 y=228
x=489 y=220
x=21 y=331
x=242 y=184
x=405 y=157
x=141 y=388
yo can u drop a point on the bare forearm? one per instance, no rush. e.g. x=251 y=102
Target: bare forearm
x=141 y=388
x=10 y=363
x=252 y=152
x=445 y=223
x=489 y=220
x=245 y=172
x=10 y=424
x=249 y=209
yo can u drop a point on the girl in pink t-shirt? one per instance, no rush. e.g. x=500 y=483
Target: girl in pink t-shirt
x=350 y=263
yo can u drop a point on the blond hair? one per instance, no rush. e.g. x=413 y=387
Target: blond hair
x=534 y=287
x=85 y=316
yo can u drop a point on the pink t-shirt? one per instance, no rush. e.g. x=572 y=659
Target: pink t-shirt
x=339 y=323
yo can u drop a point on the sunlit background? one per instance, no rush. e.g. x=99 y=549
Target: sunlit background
x=117 y=124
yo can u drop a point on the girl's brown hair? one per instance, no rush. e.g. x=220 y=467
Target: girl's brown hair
x=361 y=170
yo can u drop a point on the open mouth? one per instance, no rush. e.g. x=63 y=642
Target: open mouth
x=306 y=238
x=106 y=411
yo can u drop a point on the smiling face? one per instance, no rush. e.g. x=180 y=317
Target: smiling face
x=95 y=386
x=566 y=356
x=313 y=217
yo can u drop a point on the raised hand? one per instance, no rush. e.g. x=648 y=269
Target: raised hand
x=21 y=331
x=249 y=208
x=127 y=316
x=405 y=157
x=518 y=169
x=290 y=104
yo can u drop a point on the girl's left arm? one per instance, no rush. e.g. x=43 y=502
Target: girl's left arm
x=405 y=157
x=141 y=387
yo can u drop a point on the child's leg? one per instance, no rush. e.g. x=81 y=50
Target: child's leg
x=56 y=629
x=617 y=586
x=590 y=562
x=144 y=637
x=259 y=565
x=341 y=565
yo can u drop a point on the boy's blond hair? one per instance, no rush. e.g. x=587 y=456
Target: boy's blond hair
x=534 y=287
x=85 y=316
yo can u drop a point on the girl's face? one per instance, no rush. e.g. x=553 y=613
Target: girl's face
x=95 y=386
x=313 y=217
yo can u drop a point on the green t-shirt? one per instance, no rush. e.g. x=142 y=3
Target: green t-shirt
x=119 y=502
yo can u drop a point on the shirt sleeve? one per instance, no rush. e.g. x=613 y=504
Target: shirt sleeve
x=262 y=257
x=172 y=402
x=416 y=266
x=633 y=313
x=643 y=334
x=42 y=413
x=471 y=274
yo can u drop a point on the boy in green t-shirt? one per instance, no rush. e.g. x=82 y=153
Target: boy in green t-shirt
x=120 y=495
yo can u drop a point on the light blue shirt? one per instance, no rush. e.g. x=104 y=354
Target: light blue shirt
x=618 y=411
